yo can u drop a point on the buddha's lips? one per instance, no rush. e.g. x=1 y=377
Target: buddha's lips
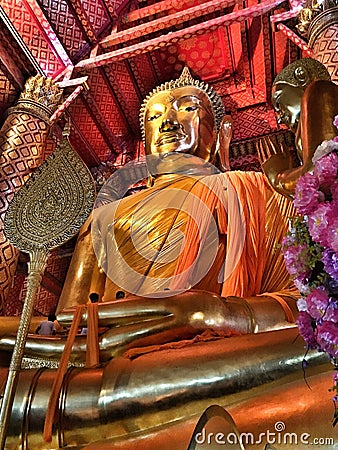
x=169 y=137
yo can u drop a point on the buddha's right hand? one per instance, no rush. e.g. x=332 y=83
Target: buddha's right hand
x=276 y=161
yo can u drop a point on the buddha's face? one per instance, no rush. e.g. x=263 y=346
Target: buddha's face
x=286 y=100
x=180 y=121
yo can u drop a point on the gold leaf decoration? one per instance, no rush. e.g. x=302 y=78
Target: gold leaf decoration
x=53 y=204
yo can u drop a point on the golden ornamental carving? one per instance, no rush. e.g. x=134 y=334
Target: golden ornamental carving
x=311 y=12
x=53 y=204
x=40 y=98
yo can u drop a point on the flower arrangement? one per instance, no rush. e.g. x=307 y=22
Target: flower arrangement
x=311 y=254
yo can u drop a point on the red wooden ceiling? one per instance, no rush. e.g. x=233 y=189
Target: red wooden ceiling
x=143 y=43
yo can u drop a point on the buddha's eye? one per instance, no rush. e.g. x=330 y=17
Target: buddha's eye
x=188 y=108
x=153 y=116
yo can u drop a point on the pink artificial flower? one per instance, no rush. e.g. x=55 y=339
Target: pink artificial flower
x=334 y=193
x=296 y=257
x=335 y=121
x=306 y=326
x=324 y=148
x=330 y=261
x=319 y=221
x=326 y=170
x=317 y=302
x=301 y=304
x=331 y=313
x=327 y=338
x=332 y=231
x=302 y=286
x=307 y=196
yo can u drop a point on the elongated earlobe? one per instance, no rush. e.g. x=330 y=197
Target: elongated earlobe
x=223 y=144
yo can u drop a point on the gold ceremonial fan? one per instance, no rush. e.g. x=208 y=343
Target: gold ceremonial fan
x=48 y=210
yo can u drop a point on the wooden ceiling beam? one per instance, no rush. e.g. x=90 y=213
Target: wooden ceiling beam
x=295 y=39
x=165 y=22
x=47 y=32
x=175 y=36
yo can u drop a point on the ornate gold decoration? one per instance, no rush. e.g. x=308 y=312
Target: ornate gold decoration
x=186 y=80
x=46 y=363
x=310 y=12
x=53 y=204
x=47 y=211
x=22 y=149
x=40 y=98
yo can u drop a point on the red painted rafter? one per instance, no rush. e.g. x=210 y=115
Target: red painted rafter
x=286 y=15
x=295 y=39
x=173 y=37
x=47 y=32
x=165 y=22
x=61 y=109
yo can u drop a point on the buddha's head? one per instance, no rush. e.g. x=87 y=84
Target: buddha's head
x=289 y=86
x=182 y=116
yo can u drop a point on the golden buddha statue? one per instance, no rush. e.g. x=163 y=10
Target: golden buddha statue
x=149 y=374
x=306 y=101
x=219 y=266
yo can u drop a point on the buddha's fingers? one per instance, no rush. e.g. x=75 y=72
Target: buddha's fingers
x=267 y=147
x=134 y=309
x=116 y=341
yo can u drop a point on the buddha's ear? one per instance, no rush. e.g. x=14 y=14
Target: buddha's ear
x=223 y=143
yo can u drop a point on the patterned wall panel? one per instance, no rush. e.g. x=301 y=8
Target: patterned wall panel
x=126 y=94
x=204 y=56
x=87 y=126
x=252 y=122
x=80 y=143
x=107 y=103
x=14 y=69
x=284 y=50
x=27 y=28
x=144 y=75
x=13 y=306
x=46 y=302
x=230 y=86
x=257 y=65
